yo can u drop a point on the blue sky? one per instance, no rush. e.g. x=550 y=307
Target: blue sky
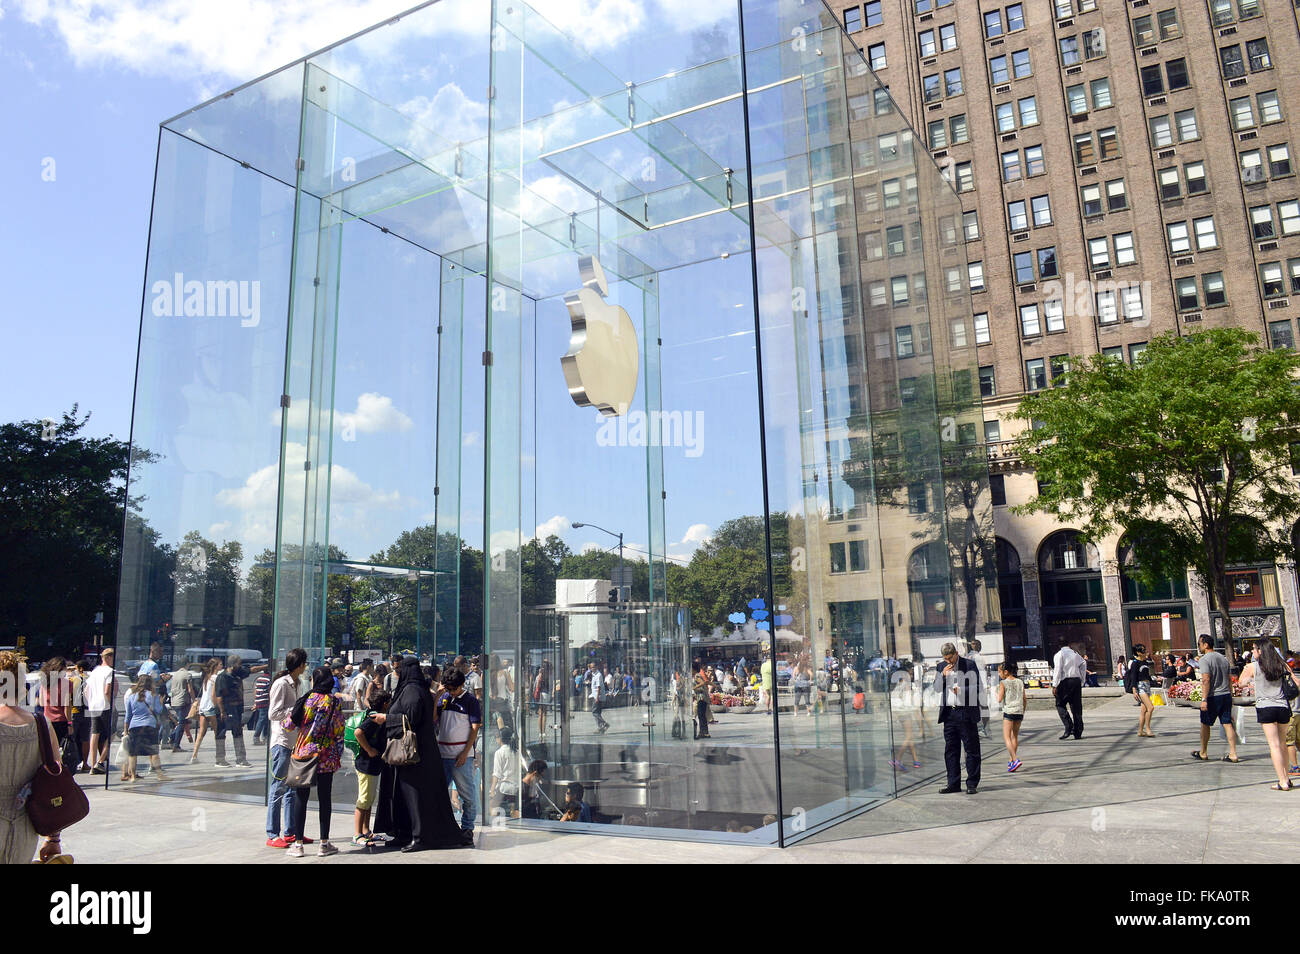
x=88 y=84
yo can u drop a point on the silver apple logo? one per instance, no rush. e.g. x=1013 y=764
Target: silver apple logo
x=600 y=367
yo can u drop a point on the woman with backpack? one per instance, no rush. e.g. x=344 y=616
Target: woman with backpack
x=1275 y=696
x=318 y=717
x=1137 y=681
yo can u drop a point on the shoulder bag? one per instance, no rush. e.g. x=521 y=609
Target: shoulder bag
x=302 y=770
x=56 y=801
x=404 y=750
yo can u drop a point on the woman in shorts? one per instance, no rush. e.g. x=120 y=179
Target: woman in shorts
x=207 y=705
x=1011 y=696
x=1272 y=709
x=1138 y=682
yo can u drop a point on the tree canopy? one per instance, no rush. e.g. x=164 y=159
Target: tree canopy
x=1189 y=449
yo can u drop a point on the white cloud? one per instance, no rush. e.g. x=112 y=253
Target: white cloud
x=556 y=525
x=261 y=489
x=696 y=533
x=241 y=39
x=374 y=414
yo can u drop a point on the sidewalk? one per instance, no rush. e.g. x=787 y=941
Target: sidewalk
x=1109 y=797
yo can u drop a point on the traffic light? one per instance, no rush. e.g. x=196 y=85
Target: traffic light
x=613 y=597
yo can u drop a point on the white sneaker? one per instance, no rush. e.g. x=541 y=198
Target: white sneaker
x=326 y=849
x=295 y=850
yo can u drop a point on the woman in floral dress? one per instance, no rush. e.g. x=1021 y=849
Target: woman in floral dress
x=320 y=717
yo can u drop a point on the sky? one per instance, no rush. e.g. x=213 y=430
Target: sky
x=86 y=85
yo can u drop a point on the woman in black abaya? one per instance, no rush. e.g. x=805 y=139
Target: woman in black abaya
x=414 y=806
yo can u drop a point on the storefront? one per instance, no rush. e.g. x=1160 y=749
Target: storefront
x=1074 y=609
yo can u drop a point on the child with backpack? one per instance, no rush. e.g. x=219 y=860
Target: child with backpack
x=366 y=738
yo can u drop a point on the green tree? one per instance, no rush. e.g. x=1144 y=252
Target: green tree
x=1189 y=449
x=61 y=521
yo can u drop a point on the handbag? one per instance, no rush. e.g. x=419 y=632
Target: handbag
x=1289 y=689
x=56 y=801
x=404 y=750
x=302 y=772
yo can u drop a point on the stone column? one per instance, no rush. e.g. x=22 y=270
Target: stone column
x=1286 y=584
x=1113 y=595
x=1200 y=606
x=1033 y=608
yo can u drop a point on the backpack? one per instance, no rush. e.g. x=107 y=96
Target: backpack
x=350 y=730
x=1129 y=672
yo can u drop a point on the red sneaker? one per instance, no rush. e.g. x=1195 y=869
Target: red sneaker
x=307 y=841
x=278 y=842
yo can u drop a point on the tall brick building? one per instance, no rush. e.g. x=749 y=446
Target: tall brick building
x=1125 y=169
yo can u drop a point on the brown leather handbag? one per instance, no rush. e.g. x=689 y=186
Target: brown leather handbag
x=56 y=801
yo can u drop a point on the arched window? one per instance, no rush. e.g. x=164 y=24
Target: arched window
x=1070 y=570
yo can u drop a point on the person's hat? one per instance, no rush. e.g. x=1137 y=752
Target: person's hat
x=337 y=662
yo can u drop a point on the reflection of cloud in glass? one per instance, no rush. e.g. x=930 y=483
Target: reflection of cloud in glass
x=374 y=414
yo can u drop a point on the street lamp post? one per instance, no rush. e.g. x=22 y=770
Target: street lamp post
x=578 y=526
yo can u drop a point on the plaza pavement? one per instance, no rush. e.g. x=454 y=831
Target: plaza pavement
x=1109 y=797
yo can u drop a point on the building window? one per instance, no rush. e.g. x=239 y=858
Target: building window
x=938 y=134
x=1170 y=184
x=1076 y=99
x=1098 y=253
x=1028 y=110
x=1006 y=117
x=1212 y=287
x=1279 y=160
x=1094 y=44
x=1023 y=264
x=1161 y=132
x=1108 y=143
x=926 y=41
x=853 y=19
x=1176 y=74
x=1187 y=129
x=948 y=37
x=1015 y=17
x=1116 y=195
x=1047 y=262
x=1194 y=177
x=1206 y=237
x=1261 y=222
x=1144 y=33
x=975 y=276
x=1100 y=89
x=1257 y=54
x=1060 y=367
x=982 y=335
x=998 y=489
x=965 y=179
x=1270 y=280
x=1280 y=336
x=952 y=81
x=1180 y=242
x=1135 y=351
x=1035 y=374
x=857 y=556
x=1230 y=62
x=1186 y=294
x=1020 y=67
x=903 y=340
x=993 y=24
x=1288 y=214
x=1243 y=115
x=1017 y=216
x=873 y=13
x=987 y=384
x=1167 y=21
x=1041 y=206
x=1034 y=163
x=837 y=558
x=894 y=240
x=1107 y=313
x=1293 y=271
x=1125 y=254
x=1084 y=152
x=1114 y=353
x=876 y=54
x=958 y=128
x=970 y=225
x=1070 y=51
x=1011 y=166
x=898 y=289
x=916 y=498
x=1270 y=107
x=1131 y=298
x=1091 y=196
x=1054 y=314
x=959 y=333
x=992 y=432
x=1000 y=70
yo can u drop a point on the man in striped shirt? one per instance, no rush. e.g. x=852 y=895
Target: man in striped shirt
x=261 y=704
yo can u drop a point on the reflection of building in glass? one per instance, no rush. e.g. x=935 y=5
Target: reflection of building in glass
x=465 y=268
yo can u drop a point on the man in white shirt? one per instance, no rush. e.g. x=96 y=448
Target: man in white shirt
x=1068 y=672
x=99 y=706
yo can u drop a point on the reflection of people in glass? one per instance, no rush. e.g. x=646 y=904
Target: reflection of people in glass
x=701 y=694
x=909 y=720
x=542 y=695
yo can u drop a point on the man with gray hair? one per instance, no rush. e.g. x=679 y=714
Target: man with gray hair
x=958 y=687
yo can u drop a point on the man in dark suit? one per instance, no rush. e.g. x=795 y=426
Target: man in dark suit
x=959 y=714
